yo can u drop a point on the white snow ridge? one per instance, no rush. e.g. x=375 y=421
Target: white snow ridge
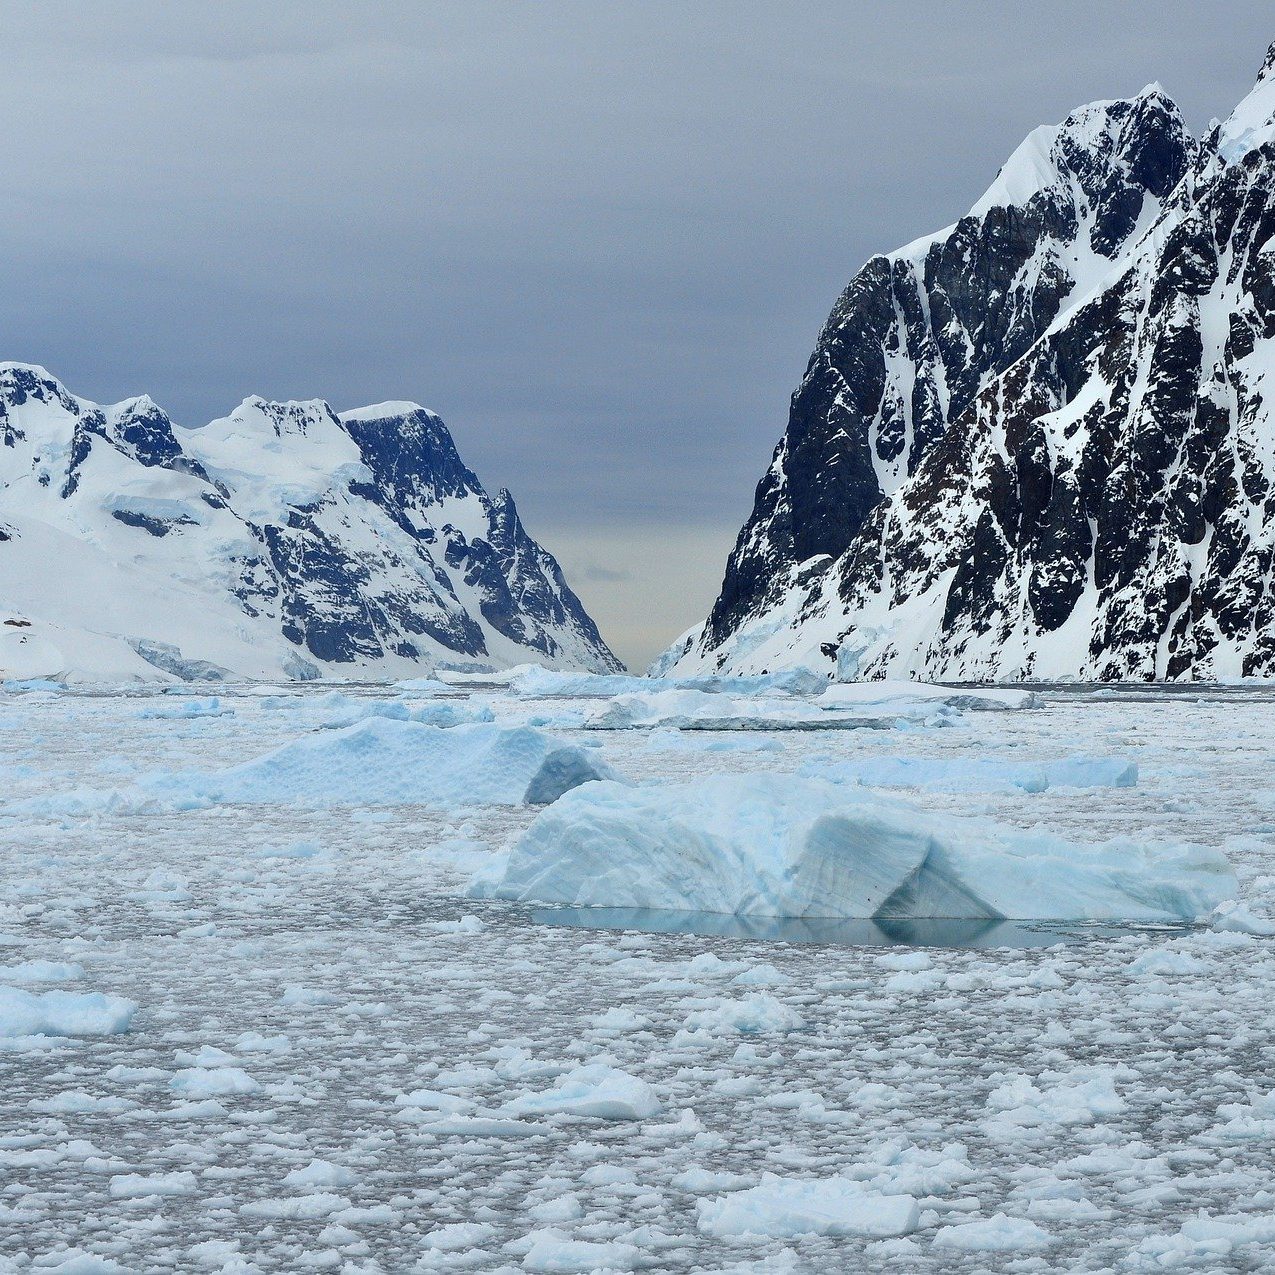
x=282 y=541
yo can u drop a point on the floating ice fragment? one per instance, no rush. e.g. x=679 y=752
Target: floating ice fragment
x=899 y=695
x=42 y=972
x=704 y=710
x=320 y=1173
x=758 y=1014
x=455 y=1237
x=999 y=1233
x=62 y=1013
x=132 y=1186
x=551 y=1252
x=1064 y=1099
x=1234 y=917
x=782 y=1207
x=534 y=682
x=213 y=1082
x=592 y=1090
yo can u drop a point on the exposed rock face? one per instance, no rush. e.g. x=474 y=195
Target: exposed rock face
x=1036 y=444
x=281 y=540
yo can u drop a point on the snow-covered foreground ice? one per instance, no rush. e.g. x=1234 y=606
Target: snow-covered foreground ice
x=337 y=1062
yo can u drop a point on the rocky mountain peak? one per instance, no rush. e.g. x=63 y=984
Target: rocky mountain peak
x=1268 y=64
x=920 y=332
x=1036 y=444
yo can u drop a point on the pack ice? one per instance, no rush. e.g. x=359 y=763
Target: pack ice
x=533 y=681
x=386 y=762
x=774 y=845
x=771 y=703
x=680 y=709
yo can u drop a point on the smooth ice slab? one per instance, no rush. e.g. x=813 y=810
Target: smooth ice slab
x=716 y=710
x=901 y=694
x=775 y=845
x=384 y=762
x=978 y=774
x=60 y=1013
x=784 y=1207
x=534 y=682
x=592 y=1090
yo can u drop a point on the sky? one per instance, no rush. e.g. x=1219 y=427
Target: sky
x=598 y=239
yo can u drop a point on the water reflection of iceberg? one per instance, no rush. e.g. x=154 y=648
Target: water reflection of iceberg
x=874 y=932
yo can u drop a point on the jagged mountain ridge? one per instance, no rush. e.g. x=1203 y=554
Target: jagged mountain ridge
x=281 y=540
x=1092 y=498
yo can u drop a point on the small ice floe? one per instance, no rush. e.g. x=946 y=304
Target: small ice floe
x=320 y=1173
x=1233 y=917
x=755 y=1015
x=999 y=1233
x=1019 y=1106
x=675 y=741
x=457 y=1237
x=534 y=682
x=213 y=1082
x=592 y=1090
x=782 y=1207
x=715 y=710
x=421 y=686
x=774 y=845
x=554 y=1252
x=186 y=709
x=134 y=1186
x=63 y=1014
x=38 y=971
x=1252 y=1121
x=1204 y=1242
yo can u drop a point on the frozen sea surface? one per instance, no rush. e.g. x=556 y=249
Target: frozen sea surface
x=335 y=1062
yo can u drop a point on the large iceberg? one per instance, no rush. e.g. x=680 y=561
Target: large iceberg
x=775 y=845
x=386 y=762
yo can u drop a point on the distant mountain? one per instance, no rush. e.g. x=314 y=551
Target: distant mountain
x=1037 y=444
x=281 y=541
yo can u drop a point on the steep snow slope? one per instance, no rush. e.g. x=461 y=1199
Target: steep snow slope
x=281 y=540
x=1095 y=501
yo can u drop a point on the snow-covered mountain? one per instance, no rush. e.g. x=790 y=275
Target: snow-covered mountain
x=1037 y=444
x=283 y=540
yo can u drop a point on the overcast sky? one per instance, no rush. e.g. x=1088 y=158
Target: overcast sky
x=599 y=239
